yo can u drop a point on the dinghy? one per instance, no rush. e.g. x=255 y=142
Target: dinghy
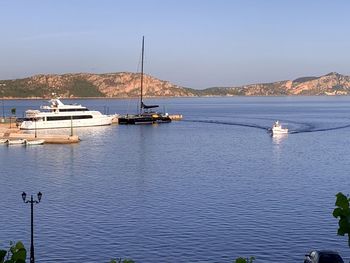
x=16 y=142
x=35 y=142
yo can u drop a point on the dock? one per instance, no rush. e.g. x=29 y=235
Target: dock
x=13 y=132
x=52 y=139
x=175 y=117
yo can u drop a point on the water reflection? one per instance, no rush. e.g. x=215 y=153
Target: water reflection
x=173 y=191
x=80 y=131
x=277 y=139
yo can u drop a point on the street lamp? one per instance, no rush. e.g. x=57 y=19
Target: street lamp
x=32 y=202
x=3 y=105
x=3 y=110
x=35 y=127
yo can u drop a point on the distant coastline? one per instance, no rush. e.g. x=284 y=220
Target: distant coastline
x=126 y=85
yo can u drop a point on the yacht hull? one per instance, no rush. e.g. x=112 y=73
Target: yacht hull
x=16 y=142
x=32 y=125
x=280 y=132
x=139 y=119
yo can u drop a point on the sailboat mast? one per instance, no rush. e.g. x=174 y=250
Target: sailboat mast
x=142 y=56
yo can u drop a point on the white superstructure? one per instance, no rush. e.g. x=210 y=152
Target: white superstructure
x=278 y=129
x=59 y=115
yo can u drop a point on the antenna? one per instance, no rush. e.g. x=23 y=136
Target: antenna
x=143 y=48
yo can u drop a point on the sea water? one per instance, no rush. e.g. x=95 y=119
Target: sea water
x=210 y=188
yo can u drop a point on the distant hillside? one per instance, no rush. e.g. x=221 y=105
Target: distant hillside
x=330 y=84
x=124 y=85
x=304 y=79
x=118 y=85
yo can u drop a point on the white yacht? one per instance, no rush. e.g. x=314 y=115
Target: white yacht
x=59 y=115
x=278 y=129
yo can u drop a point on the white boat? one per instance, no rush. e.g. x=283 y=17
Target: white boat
x=59 y=115
x=35 y=142
x=16 y=142
x=278 y=129
x=3 y=141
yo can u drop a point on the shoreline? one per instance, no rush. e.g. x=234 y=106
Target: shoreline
x=170 y=97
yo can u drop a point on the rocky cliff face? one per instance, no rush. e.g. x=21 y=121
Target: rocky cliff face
x=108 y=85
x=124 y=84
x=330 y=84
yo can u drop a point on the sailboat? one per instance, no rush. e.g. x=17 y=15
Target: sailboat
x=147 y=114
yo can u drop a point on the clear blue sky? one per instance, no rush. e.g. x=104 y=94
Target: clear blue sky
x=192 y=43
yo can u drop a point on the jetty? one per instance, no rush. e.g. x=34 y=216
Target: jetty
x=11 y=132
x=175 y=117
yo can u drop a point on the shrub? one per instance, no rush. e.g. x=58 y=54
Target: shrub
x=16 y=254
x=343 y=212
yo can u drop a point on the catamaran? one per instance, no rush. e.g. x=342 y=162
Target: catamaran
x=147 y=114
x=60 y=115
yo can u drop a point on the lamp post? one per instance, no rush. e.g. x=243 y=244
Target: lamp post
x=3 y=105
x=3 y=109
x=71 y=125
x=35 y=127
x=32 y=202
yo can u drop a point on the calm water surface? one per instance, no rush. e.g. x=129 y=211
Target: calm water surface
x=208 y=189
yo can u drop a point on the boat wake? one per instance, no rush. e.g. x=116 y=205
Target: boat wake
x=320 y=129
x=298 y=126
x=231 y=123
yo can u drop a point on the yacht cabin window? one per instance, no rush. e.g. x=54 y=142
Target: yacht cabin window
x=63 y=118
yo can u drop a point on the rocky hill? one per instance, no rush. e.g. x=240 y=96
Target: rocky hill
x=330 y=84
x=124 y=84
x=111 y=85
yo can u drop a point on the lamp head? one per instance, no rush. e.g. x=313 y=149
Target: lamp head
x=39 y=196
x=24 y=195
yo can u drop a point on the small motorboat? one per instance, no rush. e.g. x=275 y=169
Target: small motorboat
x=278 y=129
x=16 y=142
x=35 y=142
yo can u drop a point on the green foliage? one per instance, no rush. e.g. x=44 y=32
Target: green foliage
x=120 y=261
x=82 y=88
x=238 y=260
x=26 y=88
x=219 y=91
x=16 y=254
x=304 y=79
x=22 y=88
x=343 y=212
x=245 y=260
x=2 y=255
x=339 y=88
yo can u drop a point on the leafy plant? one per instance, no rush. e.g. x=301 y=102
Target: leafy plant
x=120 y=261
x=16 y=254
x=343 y=212
x=238 y=260
x=245 y=260
x=80 y=87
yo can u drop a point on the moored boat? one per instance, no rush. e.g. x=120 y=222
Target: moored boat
x=144 y=118
x=60 y=115
x=16 y=142
x=3 y=141
x=35 y=142
x=147 y=114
